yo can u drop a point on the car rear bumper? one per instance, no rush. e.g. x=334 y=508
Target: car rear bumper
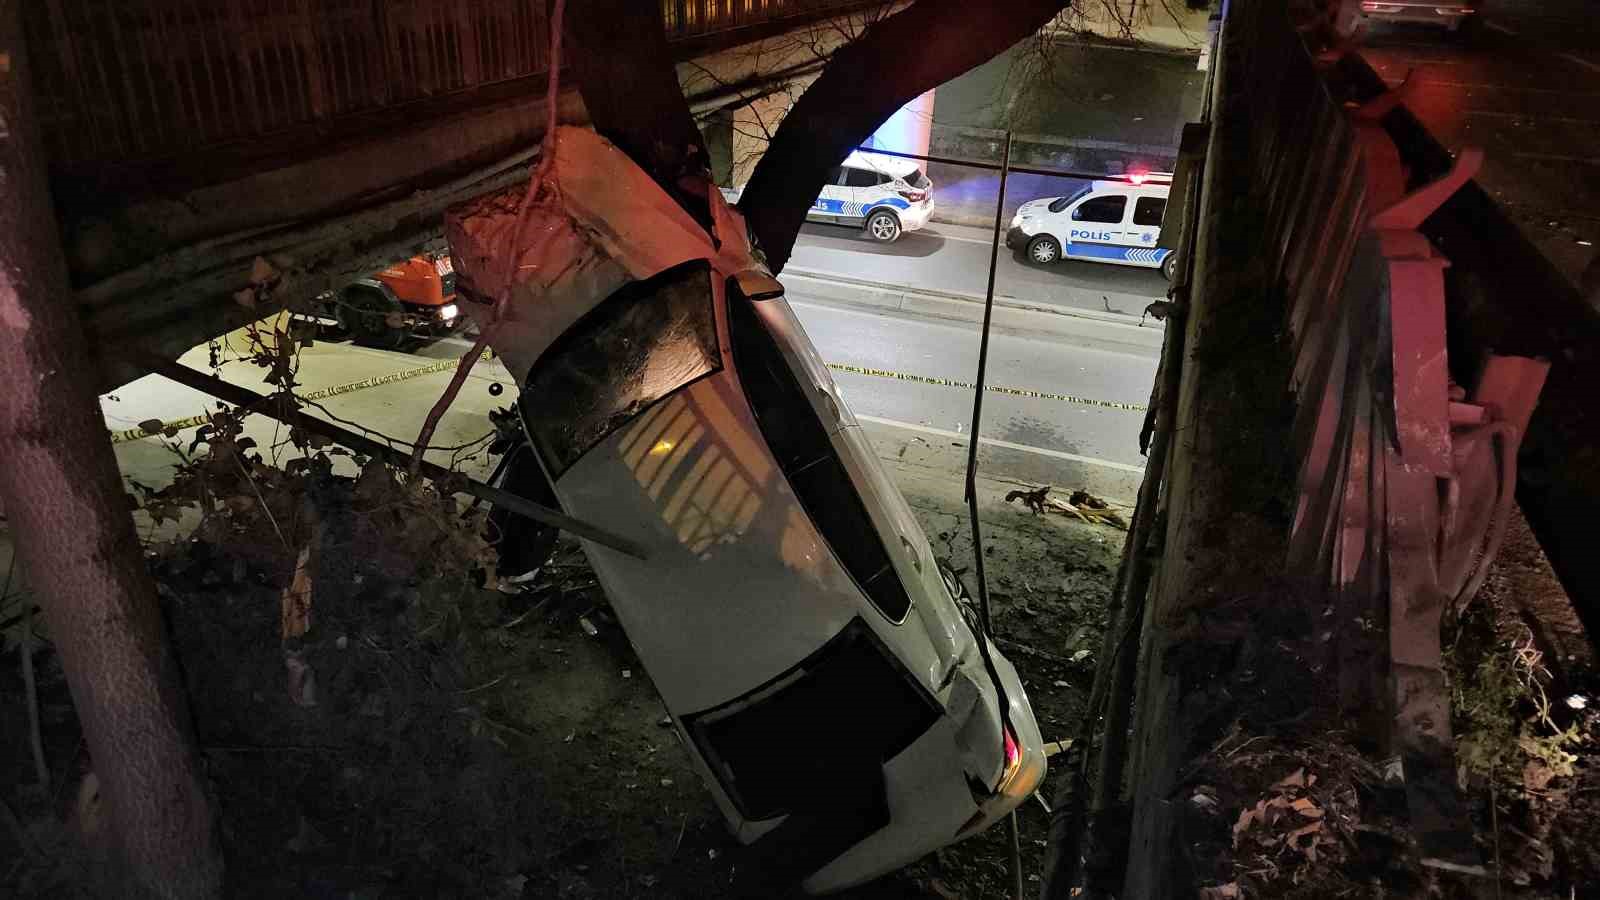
x=930 y=806
x=916 y=216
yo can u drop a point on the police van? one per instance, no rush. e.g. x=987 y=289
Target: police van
x=884 y=195
x=1112 y=221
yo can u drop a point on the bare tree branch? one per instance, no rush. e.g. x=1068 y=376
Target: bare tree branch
x=863 y=85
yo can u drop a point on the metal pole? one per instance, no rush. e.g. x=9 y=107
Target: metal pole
x=239 y=396
x=972 y=493
x=977 y=395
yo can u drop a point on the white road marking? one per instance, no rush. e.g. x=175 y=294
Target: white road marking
x=1496 y=26
x=956 y=237
x=1482 y=86
x=1006 y=445
x=1557 y=157
x=1530 y=117
x=1574 y=58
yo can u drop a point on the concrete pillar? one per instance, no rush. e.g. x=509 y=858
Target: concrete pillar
x=909 y=130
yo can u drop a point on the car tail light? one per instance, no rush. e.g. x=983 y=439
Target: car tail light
x=914 y=196
x=1007 y=784
x=1013 y=761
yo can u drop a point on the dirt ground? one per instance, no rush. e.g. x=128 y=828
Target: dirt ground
x=465 y=743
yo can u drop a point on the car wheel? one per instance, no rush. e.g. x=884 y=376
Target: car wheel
x=1169 y=266
x=883 y=226
x=364 y=314
x=1044 y=249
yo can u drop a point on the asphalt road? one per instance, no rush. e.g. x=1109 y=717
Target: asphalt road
x=1523 y=83
x=1051 y=428
x=1078 y=91
x=953 y=258
x=949 y=351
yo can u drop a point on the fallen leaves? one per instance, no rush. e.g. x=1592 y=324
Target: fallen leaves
x=1287 y=819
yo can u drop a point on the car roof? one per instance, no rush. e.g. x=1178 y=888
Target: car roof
x=1150 y=187
x=878 y=162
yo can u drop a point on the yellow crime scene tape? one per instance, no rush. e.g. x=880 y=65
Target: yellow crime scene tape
x=993 y=388
x=134 y=434
x=138 y=432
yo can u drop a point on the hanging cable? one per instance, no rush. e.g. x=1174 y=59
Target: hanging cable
x=985 y=622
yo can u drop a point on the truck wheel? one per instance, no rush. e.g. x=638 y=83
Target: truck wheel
x=1169 y=266
x=364 y=315
x=1044 y=249
x=883 y=226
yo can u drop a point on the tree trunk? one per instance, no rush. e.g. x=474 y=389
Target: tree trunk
x=68 y=514
x=898 y=59
x=629 y=85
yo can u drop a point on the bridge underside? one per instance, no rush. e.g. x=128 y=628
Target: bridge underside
x=186 y=141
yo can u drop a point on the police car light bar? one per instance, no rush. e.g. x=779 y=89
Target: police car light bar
x=1148 y=177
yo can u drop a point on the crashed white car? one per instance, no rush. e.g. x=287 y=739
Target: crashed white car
x=791 y=613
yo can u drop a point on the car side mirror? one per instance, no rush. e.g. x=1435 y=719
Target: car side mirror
x=755 y=284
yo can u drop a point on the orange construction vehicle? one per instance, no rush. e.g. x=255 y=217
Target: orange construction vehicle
x=414 y=298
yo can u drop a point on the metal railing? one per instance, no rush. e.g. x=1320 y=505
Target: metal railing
x=130 y=80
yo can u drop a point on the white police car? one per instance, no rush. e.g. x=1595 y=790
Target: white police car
x=1113 y=221
x=885 y=195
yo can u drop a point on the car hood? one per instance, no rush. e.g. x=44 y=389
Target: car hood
x=1036 y=207
x=606 y=223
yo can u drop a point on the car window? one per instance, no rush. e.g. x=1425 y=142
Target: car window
x=1149 y=210
x=918 y=180
x=1060 y=203
x=862 y=178
x=847 y=706
x=835 y=175
x=800 y=444
x=643 y=342
x=1101 y=209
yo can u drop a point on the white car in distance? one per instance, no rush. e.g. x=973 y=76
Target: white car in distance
x=884 y=196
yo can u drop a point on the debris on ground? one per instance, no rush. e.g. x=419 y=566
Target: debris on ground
x=1079 y=503
x=377 y=718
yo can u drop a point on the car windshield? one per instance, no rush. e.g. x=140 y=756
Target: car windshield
x=1060 y=203
x=639 y=345
x=917 y=180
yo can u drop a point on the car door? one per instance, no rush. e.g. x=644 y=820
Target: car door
x=863 y=186
x=1096 y=230
x=831 y=200
x=1144 y=229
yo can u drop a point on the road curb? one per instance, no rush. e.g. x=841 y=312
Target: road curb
x=1009 y=312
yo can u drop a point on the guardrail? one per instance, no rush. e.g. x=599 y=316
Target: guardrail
x=124 y=80
x=1399 y=479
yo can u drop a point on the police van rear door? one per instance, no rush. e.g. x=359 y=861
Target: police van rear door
x=1144 y=228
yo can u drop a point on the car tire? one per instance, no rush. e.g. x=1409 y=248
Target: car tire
x=364 y=313
x=1044 y=250
x=1169 y=266
x=883 y=226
